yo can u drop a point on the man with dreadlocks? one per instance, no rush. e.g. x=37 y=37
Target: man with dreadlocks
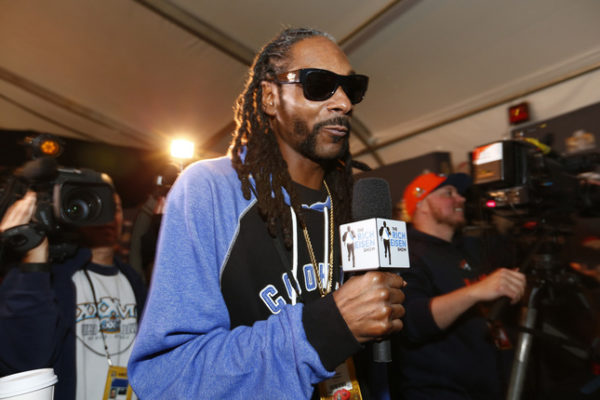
x=243 y=301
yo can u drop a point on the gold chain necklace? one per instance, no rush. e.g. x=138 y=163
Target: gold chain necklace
x=311 y=252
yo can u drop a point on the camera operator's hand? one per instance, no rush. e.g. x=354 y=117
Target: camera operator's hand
x=20 y=213
x=159 y=208
x=502 y=282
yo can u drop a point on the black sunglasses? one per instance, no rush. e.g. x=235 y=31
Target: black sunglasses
x=320 y=84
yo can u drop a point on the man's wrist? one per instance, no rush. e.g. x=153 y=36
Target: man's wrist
x=38 y=254
x=327 y=331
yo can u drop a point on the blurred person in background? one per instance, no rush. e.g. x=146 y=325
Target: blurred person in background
x=445 y=350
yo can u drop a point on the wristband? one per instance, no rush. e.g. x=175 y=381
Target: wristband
x=34 y=267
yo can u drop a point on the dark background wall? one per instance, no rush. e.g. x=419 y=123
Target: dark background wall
x=400 y=174
x=567 y=131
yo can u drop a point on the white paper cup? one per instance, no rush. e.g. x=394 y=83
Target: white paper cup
x=37 y=384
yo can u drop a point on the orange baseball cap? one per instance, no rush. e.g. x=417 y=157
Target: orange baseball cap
x=424 y=184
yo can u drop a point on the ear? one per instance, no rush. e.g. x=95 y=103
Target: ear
x=423 y=205
x=270 y=97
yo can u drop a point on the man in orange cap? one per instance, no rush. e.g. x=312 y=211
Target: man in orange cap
x=446 y=349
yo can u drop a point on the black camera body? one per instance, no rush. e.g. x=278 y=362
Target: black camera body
x=516 y=177
x=67 y=199
x=77 y=197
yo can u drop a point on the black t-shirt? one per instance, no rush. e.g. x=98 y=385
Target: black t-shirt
x=460 y=362
x=257 y=278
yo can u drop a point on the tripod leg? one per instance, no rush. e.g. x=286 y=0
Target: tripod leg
x=523 y=349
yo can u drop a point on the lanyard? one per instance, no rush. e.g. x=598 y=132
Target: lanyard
x=87 y=275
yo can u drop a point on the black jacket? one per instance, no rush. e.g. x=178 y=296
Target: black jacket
x=37 y=320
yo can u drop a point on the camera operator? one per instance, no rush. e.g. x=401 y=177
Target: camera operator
x=445 y=350
x=78 y=317
x=144 y=234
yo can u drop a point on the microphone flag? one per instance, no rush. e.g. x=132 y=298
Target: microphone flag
x=374 y=243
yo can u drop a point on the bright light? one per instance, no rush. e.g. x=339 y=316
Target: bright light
x=50 y=147
x=183 y=149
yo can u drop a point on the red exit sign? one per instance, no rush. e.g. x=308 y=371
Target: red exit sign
x=518 y=113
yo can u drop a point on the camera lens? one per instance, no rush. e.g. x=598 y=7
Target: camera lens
x=81 y=206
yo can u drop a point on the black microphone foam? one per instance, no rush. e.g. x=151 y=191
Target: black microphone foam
x=371 y=199
x=40 y=170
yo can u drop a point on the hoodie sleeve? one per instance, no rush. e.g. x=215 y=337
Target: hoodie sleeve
x=32 y=330
x=185 y=348
x=419 y=325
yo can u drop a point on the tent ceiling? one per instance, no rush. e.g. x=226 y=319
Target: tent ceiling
x=139 y=73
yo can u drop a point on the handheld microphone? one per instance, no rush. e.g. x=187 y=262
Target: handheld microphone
x=371 y=198
x=374 y=241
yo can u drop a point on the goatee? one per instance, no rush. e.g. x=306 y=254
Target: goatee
x=308 y=147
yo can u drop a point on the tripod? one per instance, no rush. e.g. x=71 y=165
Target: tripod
x=544 y=275
x=523 y=349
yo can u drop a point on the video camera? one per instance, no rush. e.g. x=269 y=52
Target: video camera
x=68 y=196
x=67 y=199
x=525 y=178
x=544 y=197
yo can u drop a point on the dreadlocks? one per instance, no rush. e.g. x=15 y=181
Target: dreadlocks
x=255 y=152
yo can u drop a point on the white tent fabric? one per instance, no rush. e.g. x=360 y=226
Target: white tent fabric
x=121 y=72
x=461 y=136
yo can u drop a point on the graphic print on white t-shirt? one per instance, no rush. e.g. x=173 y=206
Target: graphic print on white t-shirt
x=116 y=316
